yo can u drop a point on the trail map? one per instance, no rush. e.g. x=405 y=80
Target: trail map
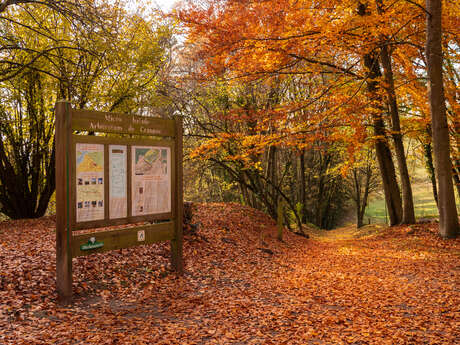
x=90 y=182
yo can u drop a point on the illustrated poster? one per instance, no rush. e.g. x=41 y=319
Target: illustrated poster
x=151 y=180
x=90 y=182
x=118 y=181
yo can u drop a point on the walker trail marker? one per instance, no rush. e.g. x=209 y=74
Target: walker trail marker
x=101 y=181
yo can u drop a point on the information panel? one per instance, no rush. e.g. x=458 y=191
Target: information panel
x=109 y=181
x=118 y=181
x=151 y=180
x=89 y=182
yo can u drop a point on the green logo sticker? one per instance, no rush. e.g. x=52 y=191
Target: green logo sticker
x=92 y=244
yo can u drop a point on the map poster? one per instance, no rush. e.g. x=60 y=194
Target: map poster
x=151 y=180
x=118 y=181
x=90 y=182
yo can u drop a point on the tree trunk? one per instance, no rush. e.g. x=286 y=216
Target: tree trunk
x=408 y=203
x=359 y=196
x=456 y=153
x=448 y=218
x=302 y=185
x=356 y=180
x=244 y=191
x=456 y=176
x=271 y=175
x=359 y=218
x=280 y=220
x=382 y=148
x=366 y=192
x=430 y=168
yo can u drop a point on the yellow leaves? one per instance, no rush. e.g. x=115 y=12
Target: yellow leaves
x=212 y=146
x=237 y=146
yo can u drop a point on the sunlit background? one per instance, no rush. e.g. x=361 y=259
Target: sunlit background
x=165 y=5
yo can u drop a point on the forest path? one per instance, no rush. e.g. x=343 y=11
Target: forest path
x=349 y=232
x=241 y=286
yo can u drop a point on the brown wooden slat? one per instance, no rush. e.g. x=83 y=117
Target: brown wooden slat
x=123 y=238
x=92 y=139
x=121 y=221
x=96 y=121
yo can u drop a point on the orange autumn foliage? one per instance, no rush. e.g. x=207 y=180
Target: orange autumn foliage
x=322 y=43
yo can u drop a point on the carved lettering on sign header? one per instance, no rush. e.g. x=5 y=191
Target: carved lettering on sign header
x=116 y=123
x=113 y=118
x=103 y=126
x=151 y=131
x=140 y=121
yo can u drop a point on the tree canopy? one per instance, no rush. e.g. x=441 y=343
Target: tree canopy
x=360 y=71
x=97 y=56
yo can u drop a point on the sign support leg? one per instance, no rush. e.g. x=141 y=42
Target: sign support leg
x=177 y=261
x=63 y=203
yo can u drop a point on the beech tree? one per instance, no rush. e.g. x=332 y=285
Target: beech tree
x=408 y=216
x=223 y=131
x=260 y=40
x=448 y=217
x=382 y=148
x=370 y=51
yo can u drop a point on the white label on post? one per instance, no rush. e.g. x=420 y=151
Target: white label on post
x=140 y=236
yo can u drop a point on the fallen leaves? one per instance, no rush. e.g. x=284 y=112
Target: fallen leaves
x=390 y=288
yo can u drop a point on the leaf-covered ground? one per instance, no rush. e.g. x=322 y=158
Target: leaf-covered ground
x=241 y=286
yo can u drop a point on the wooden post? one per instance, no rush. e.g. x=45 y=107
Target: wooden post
x=176 y=244
x=63 y=202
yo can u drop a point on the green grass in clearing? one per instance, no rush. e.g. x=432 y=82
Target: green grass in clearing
x=424 y=204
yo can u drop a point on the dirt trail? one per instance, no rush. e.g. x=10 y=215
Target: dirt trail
x=349 y=232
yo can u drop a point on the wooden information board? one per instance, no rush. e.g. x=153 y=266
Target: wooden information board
x=101 y=181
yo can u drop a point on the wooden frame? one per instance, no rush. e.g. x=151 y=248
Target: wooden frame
x=144 y=132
